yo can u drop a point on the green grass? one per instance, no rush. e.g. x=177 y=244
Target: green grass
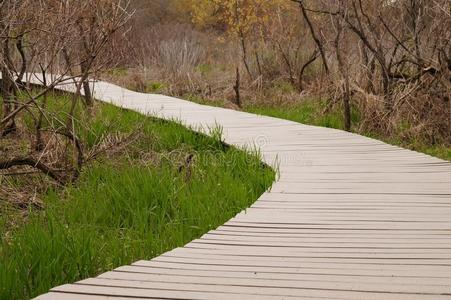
x=134 y=206
x=308 y=112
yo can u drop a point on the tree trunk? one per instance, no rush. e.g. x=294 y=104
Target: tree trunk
x=257 y=59
x=39 y=141
x=387 y=92
x=244 y=52
x=236 y=87
x=86 y=88
x=344 y=71
x=7 y=90
x=315 y=38
x=369 y=69
x=347 y=103
x=312 y=59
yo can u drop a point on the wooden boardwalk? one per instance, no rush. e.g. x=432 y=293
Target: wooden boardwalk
x=349 y=218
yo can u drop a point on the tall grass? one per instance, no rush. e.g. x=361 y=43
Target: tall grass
x=306 y=112
x=133 y=206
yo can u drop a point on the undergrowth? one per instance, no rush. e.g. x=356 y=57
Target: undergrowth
x=165 y=189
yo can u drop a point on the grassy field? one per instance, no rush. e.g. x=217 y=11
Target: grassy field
x=126 y=206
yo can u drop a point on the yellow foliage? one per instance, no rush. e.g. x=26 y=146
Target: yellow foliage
x=236 y=17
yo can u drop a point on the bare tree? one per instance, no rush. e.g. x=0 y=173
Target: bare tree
x=42 y=42
x=341 y=47
x=313 y=33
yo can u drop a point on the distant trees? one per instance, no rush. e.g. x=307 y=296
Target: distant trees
x=387 y=59
x=52 y=42
x=246 y=21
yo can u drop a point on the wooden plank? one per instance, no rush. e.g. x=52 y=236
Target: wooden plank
x=334 y=242
x=334 y=235
x=332 y=247
x=364 y=274
x=76 y=296
x=268 y=287
x=260 y=266
x=216 y=277
x=177 y=291
x=184 y=291
x=70 y=296
x=299 y=263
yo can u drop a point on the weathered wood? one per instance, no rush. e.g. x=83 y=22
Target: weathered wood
x=349 y=218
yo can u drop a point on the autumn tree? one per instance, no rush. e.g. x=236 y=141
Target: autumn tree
x=242 y=20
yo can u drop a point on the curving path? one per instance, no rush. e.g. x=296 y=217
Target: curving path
x=349 y=218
